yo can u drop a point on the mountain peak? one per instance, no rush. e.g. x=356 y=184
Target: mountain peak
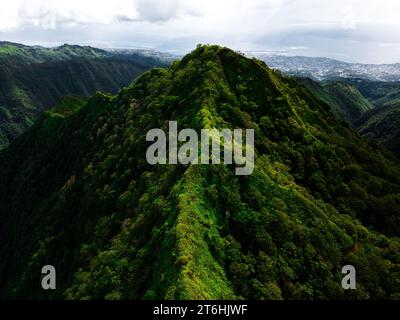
x=78 y=192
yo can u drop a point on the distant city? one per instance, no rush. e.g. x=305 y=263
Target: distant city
x=317 y=68
x=330 y=69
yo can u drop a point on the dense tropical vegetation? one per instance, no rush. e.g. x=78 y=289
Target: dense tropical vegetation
x=344 y=99
x=32 y=79
x=76 y=192
x=371 y=107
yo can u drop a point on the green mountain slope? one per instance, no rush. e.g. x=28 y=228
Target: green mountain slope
x=376 y=119
x=32 y=79
x=345 y=100
x=392 y=98
x=383 y=126
x=22 y=54
x=375 y=90
x=382 y=123
x=76 y=192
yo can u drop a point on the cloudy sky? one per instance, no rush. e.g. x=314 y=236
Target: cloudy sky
x=352 y=30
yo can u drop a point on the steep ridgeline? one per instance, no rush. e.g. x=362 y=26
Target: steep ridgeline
x=382 y=124
x=378 y=92
x=77 y=193
x=371 y=107
x=345 y=100
x=32 y=79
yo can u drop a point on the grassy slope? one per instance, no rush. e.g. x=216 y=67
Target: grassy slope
x=116 y=227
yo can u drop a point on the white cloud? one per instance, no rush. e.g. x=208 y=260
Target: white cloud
x=22 y=13
x=63 y=13
x=180 y=24
x=9 y=16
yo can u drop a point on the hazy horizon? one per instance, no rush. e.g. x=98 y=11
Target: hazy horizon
x=352 y=31
x=178 y=55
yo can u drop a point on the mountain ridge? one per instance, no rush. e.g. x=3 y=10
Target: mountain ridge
x=116 y=227
x=34 y=79
x=344 y=98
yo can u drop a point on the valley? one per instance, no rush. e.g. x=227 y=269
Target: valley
x=33 y=79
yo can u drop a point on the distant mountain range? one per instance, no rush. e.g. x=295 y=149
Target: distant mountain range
x=159 y=55
x=34 y=78
x=329 y=69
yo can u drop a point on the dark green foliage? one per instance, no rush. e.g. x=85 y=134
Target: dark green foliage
x=378 y=92
x=377 y=119
x=383 y=125
x=77 y=192
x=32 y=79
x=345 y=100
x=16 y=53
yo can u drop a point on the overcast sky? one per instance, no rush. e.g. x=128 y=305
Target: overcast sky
x=352 y=30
